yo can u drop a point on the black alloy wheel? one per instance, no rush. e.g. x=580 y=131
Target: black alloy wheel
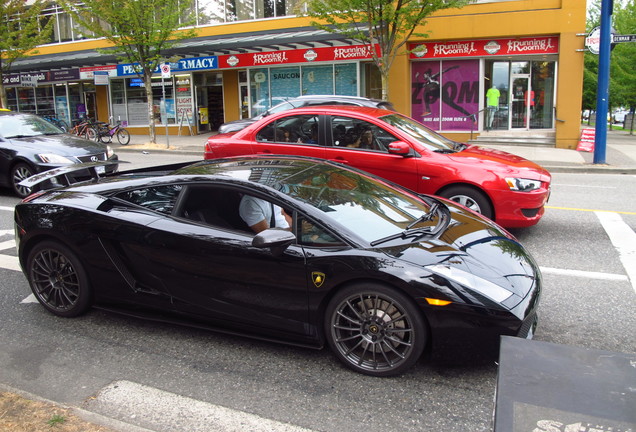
x=19 y=172
x=58 y=279
x=375 y=330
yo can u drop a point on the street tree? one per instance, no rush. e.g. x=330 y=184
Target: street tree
x=623 y=63
x=139 y=31
x=622 y=85
x=22 y=28
x=383 y=24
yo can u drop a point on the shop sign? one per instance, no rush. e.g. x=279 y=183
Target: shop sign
x=324 y=54
x=88 y=73
x=101 y=77
x=183 y=65
x=485 y=47
x=28 y=80
x=31 y=80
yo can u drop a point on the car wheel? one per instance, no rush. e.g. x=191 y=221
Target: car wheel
x=375 y=330
x=18 y=173
x=58 y=279
x=469 y=197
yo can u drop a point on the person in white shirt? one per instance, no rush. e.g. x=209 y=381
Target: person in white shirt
x=257 y=214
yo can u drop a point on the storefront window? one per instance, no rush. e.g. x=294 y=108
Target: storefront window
x=317 y=80
x=496 y=96
x=75 y=100
x=44 y=100
x=61 y=103
x=543 y=84
x=285 y=82
x=346 y=79
x=26 y=100
x=12 y=98
x=118 y=100
x=259 y=91
x=526 y=95
x=163 y=108
x=445 y=94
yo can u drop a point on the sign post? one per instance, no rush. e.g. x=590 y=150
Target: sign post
x=165 y=73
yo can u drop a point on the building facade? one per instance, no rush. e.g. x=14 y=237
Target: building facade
x=494 y=67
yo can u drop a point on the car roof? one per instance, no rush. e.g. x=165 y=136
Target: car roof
x=337 y=109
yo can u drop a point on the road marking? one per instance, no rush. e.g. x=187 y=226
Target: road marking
x=624 y=240
x=584 y=274
x=152 y=408
x=590 y=210
x=584 y=186
x=9 y=244
x=7 y=232
x=10 y=262
x=30 y=299
x=7 y=208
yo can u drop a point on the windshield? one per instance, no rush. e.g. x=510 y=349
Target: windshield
x=427 y=137
x=368 y=208
x=26 y=126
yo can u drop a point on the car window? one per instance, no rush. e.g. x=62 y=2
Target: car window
x=159 y=198
x=312 y=234
x=26 y=125
x=360 y=134
x=212 y=205
x=302 y=129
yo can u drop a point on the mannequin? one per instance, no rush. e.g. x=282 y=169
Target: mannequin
x=492 y=104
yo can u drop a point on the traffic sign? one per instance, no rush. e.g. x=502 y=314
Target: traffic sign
x=165 y=70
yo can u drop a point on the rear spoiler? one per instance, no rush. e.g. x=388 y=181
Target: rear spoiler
x=57 y=177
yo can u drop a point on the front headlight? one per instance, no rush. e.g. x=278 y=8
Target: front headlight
x=54 y=159
x=522 y=185
x=109 y=152
x=469 y=280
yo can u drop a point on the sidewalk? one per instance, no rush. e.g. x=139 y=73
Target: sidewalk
x=620 y=155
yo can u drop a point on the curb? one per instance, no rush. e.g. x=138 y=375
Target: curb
x=87 y=416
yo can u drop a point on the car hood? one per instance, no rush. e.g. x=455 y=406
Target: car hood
x=480 y=249
x=63 y=144
x=499 y=160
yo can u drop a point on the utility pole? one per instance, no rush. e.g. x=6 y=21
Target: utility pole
x=602 y=92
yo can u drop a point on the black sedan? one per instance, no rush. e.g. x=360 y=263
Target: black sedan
x=29 y=145
x=371 y=269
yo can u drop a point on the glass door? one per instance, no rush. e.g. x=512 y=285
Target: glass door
x=520 y=106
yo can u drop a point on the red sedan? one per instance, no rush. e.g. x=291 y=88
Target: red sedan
x=506 y=188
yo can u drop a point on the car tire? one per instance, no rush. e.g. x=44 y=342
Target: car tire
x=19 y=172
x=58 y=279
x=471 y=198
x=375 y=330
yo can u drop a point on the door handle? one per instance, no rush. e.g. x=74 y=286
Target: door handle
x=340 y=160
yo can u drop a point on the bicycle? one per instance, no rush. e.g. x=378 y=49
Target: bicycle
x=84 y=128
x=105 y=133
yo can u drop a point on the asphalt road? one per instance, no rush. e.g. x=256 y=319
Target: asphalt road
x=168 y=378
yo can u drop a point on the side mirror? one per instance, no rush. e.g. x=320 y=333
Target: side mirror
x=399 y=148
x=276 y=239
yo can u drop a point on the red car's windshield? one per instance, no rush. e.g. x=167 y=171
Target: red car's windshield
x=428 y=138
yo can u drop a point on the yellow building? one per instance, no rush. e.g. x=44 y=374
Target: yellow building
x=507 y=70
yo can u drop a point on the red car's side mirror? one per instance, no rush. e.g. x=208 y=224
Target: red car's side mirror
x=399 y=148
